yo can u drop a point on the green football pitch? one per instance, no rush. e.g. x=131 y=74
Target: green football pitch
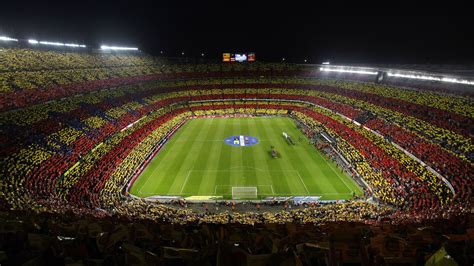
x=196 y=161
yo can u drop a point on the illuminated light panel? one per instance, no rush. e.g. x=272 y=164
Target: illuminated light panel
x=75 y=45
x=8 y=39
x=343 y=70
x=32 y=41
x=52 y=43
x=62 y=44
x=106 y=47
x=432 y=78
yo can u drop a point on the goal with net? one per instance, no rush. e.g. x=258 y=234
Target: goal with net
x=244 y=192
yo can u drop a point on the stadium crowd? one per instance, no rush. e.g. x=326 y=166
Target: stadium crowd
x=76 y=127
x=64 y=239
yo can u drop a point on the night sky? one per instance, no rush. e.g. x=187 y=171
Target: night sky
x=369 y=33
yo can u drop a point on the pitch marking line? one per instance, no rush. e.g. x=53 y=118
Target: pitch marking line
x=207 y=140
x=144 y=185
x=301 y=179
x=276 y=194
x=342 y=179
x=185 y=182
x=212 y=140
x=242 y=168
x=215 y=187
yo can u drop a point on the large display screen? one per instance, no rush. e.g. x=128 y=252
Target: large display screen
x=228 y=57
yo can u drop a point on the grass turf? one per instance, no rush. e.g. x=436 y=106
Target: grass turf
x=197 y=162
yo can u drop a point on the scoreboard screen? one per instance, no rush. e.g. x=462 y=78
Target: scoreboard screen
x=240 y=57
x=225 y=57
x=228 y=57
x=251 y=57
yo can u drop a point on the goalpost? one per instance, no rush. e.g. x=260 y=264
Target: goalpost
x=244 y=192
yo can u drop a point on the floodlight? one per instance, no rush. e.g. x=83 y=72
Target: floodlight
x=182 y=53
x=344 y=70
x=326 y=63
x=75 y=45
x=432 y=78
x=202 y=54
x=57 y=43
x=8 y=39
x=283 y=59
x=106 y=47
x=52 y=43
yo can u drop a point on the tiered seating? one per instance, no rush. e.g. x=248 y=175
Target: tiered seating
x=29 y=76
x=400 y=175
x=450 y=166
x=381 y=186
x=31 y=68
x=79 y=153
x=451 y=103
x=364 y=117
x=100 y=241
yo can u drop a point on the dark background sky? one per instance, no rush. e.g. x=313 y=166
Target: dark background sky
x=361 y=33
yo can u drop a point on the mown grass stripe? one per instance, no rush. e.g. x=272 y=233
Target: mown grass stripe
x=305 y=161
x=262 y=158
x=158 y=165
x=188 y=159
x=213 y=153
x=196 y=160
x=282 y=185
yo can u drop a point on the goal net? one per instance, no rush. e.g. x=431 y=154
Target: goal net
x=244 y=192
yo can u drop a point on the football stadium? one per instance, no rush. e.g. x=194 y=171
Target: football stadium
x=117 y=155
